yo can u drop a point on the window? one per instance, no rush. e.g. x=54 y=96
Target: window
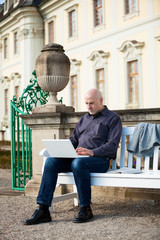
x=15 y=43
x=130 y=6
x=74 y=91
x=133 y=82
x=72 y=23
x=17 y=92
x=98 y=12
x=6 y=101
x=132 y=54
x=51 y=32
x=5 y=6
x=5 y=48
x=100 y=79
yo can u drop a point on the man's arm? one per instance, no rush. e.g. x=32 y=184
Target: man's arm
x=109 y=148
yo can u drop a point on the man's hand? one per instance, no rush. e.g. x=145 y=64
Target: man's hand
x=84 y=151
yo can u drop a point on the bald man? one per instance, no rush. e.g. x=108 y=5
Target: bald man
x=97 y=135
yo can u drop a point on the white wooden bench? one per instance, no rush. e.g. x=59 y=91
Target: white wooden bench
x=148 y=177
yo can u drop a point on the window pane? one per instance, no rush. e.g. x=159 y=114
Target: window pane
x=72 y=23
x=133 y=82
x=130 y=6
x=6 y=48
x=98 y=12
x=74 y=91
x=51 y=32
x=6 y=101
x=100 y=79
x=15 y=43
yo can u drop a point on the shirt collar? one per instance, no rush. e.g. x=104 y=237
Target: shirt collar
x=103 y=112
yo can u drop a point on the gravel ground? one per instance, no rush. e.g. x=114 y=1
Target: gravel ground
x=114 y=219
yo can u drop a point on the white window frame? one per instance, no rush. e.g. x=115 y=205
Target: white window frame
x=18 y=50
x=47 y=21
x=75 y=70
x=3 y=38
x=70 y=9
x=99 y=60
x=101 y=26
x=132 y=51
x=130 y=15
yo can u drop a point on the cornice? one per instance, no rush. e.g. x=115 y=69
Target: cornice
x=17 y=15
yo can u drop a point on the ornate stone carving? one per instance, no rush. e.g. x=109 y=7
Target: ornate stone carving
x=99 y=58
x=131 y=48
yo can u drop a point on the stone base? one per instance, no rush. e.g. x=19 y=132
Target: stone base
x=60 y=108
x=127 y=193
x=33 y=185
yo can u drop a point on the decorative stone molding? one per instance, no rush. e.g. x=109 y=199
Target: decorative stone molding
x=16 y=77
x=131 y=48
x=30 y=32
x=75 y=66
x=157 y=38
x=5 y=80
x=99 y=58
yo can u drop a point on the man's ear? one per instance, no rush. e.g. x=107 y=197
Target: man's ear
x=101 y=100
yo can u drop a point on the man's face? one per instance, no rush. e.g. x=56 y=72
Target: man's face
x=94 y=105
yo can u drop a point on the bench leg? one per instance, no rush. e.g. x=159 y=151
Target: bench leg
x=76 y=200
x=64 y=197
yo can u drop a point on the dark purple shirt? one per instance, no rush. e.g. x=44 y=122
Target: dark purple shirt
x=100 y=133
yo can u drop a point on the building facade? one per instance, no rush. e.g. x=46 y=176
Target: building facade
x=113 y=45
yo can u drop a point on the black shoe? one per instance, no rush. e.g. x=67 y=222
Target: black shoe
x=39 y=216
x=85 y=214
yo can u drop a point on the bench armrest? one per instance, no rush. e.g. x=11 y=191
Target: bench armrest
x=44 y=153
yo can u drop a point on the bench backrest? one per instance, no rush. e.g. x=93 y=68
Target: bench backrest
x=127 y=159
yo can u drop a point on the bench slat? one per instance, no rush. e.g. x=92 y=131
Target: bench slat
x=138 y=163
x=146 y=163
x=123 y=147
x=155 y=158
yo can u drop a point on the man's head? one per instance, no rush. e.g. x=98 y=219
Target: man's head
x=94 y=101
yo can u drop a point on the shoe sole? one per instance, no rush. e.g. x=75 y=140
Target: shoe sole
x=83 y=221
x=45 y=220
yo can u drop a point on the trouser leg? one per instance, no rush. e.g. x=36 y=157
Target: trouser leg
x=52 y=167
x=81 y=168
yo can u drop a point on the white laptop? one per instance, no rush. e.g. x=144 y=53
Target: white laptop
x=61 y=148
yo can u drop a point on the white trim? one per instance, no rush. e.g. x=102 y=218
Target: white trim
x=15 y=3
x=132 y=14
x=132 y=51
x=99 y=60
x=101 y=26
x=152 y=68
x=75 y=70
x=125 y=31
x=47 y=21
x=68 y=10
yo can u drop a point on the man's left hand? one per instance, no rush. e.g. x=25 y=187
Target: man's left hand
x=84 y=151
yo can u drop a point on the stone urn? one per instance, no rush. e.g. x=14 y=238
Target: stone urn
x=52 y=70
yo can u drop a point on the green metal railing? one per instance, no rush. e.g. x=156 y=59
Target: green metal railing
x=21 y=141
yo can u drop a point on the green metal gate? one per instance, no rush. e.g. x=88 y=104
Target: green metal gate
x=21 y=144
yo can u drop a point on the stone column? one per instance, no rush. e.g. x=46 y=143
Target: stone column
x=46 y=125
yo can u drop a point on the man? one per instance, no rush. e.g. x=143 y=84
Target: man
x=97 y=135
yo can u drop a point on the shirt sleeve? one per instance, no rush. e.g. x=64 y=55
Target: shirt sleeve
x=109 y=149
x=75 y=135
